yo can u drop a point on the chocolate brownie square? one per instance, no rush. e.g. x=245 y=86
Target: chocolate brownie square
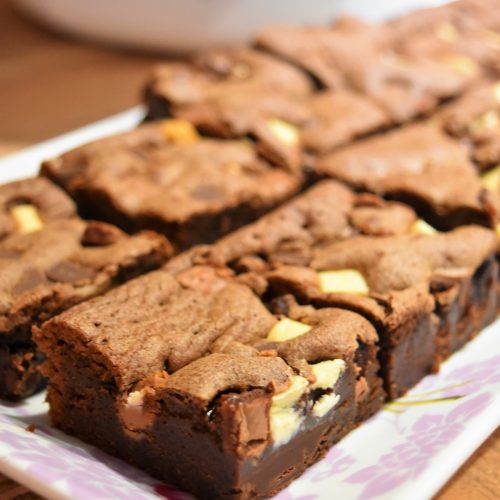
x=49 y=261
x=163 y=176
x=449 y=33
x=336 y=118
x=427 y=293
x=483 y=12
x=458 y=268
x=197 y=362
x=253 y=95
x=234 y=94
x=26 y=205
x=474 y=118
x=353 y=54
x=420 y=165
x=463 y=14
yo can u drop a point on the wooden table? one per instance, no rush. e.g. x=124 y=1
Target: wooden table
x=50 y=85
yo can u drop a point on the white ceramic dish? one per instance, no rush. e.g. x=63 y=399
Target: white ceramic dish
x=181 y=25
x=409 y=450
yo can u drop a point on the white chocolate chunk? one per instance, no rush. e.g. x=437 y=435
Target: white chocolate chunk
x=133 y=414
x=290 y=396
x=491 y=179
x=496 y=91
x=446 y=32
x=487 y=121
x=284 y=424
x=462 y=64
x=286 y=329
x=343 y=281
x=422 y=227
x=284 y=131
x=324 y=404
x=27 y=218
x=179 y=131
x=327 y=373
x=241 y=71
x=135 y=399
x=285 y=421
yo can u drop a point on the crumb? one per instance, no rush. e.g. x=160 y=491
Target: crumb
x=30 y=428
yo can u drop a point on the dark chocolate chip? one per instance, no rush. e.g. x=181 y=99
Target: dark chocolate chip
x=280 y=305
x=100 y=234
x=69 y=272
x=30 y=279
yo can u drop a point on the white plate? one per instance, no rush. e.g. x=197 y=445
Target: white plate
x=180 y=25
x=409 y=450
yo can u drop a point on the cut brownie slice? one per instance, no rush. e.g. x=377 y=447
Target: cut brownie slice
x=483 y=12
x=404 y=284
x=459 y=269
x=475 y=119
x=50 y=261
x=449 y=33
x=164 y=177
x=197 y=362
x=26 y=205
x=427 y=293
x=336 y=118
x=273 y=112
x=355 y=55
x=420 y=165
x=234 y=94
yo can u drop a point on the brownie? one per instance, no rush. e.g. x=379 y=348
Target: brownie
x=162 y=176
x=336 y=118
x=475 y=119
x=467 y=28
x=197 y=362
x=277 y=113
x=353 y=54
x=27 y=204
x=49 y=261
x=233 y=94
x=427 y=293
x=420 y=165
x=459 y=268
x=451 y=33
x=459 y=12
x=483 y=12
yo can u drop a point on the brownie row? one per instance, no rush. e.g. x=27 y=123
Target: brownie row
x=240 y=363
x=410 y=117
x=264 y=347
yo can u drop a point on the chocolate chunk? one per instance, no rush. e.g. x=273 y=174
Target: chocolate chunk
x=191 y=191
x=70 y=272
x=100 y=234
x=415 y=164
x=30 y=279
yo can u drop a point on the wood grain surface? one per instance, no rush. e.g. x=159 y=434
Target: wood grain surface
x=50 y=85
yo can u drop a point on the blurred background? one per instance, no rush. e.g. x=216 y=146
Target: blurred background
x=50 y=84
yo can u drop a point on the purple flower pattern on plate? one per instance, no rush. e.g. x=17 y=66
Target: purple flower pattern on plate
x=408 y=460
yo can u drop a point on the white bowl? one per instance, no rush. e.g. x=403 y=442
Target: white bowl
x=183 y=25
